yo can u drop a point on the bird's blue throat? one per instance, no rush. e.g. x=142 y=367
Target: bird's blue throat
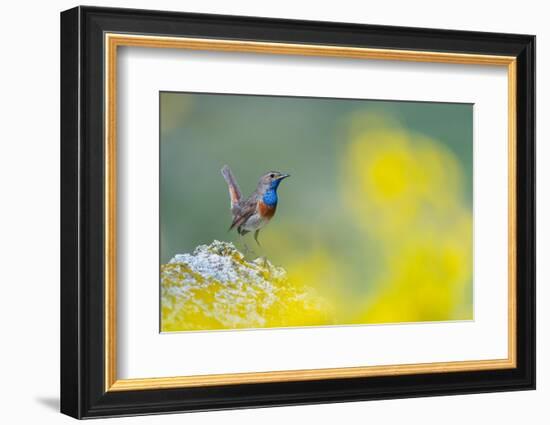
x=270 y=195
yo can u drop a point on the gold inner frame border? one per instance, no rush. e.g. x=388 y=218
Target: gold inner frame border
x=113 y=40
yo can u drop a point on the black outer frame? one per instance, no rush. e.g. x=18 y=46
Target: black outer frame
x=82 y=218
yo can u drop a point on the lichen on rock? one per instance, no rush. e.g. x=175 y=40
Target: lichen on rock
x=216 y=287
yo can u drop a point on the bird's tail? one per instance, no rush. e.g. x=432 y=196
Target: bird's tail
x=234 y=191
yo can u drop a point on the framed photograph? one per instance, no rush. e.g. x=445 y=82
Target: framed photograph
x=261 y=212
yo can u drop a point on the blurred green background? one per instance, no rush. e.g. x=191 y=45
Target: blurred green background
x=377 y=213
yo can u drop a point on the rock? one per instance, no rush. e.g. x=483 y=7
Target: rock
x=215 y=287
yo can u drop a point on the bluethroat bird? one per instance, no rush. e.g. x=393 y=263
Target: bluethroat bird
x=253 y=213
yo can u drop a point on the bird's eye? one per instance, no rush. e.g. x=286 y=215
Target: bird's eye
x=272 y=175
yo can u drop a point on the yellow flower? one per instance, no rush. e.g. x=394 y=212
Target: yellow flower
x=405 y=191
x=394 y=178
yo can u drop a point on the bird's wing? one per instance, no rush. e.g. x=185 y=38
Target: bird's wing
x=244 y=211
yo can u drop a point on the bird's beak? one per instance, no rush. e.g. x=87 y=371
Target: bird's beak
x=283 y=176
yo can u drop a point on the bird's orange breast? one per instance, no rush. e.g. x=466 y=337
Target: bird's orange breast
x=266 y=211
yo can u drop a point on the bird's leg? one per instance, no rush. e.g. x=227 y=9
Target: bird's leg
x=247 y=250
x=242 y=242
x=256 y=234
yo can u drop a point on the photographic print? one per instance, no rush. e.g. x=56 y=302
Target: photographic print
x=283 y=211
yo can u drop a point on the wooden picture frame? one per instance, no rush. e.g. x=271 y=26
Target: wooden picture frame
x=90 y=39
